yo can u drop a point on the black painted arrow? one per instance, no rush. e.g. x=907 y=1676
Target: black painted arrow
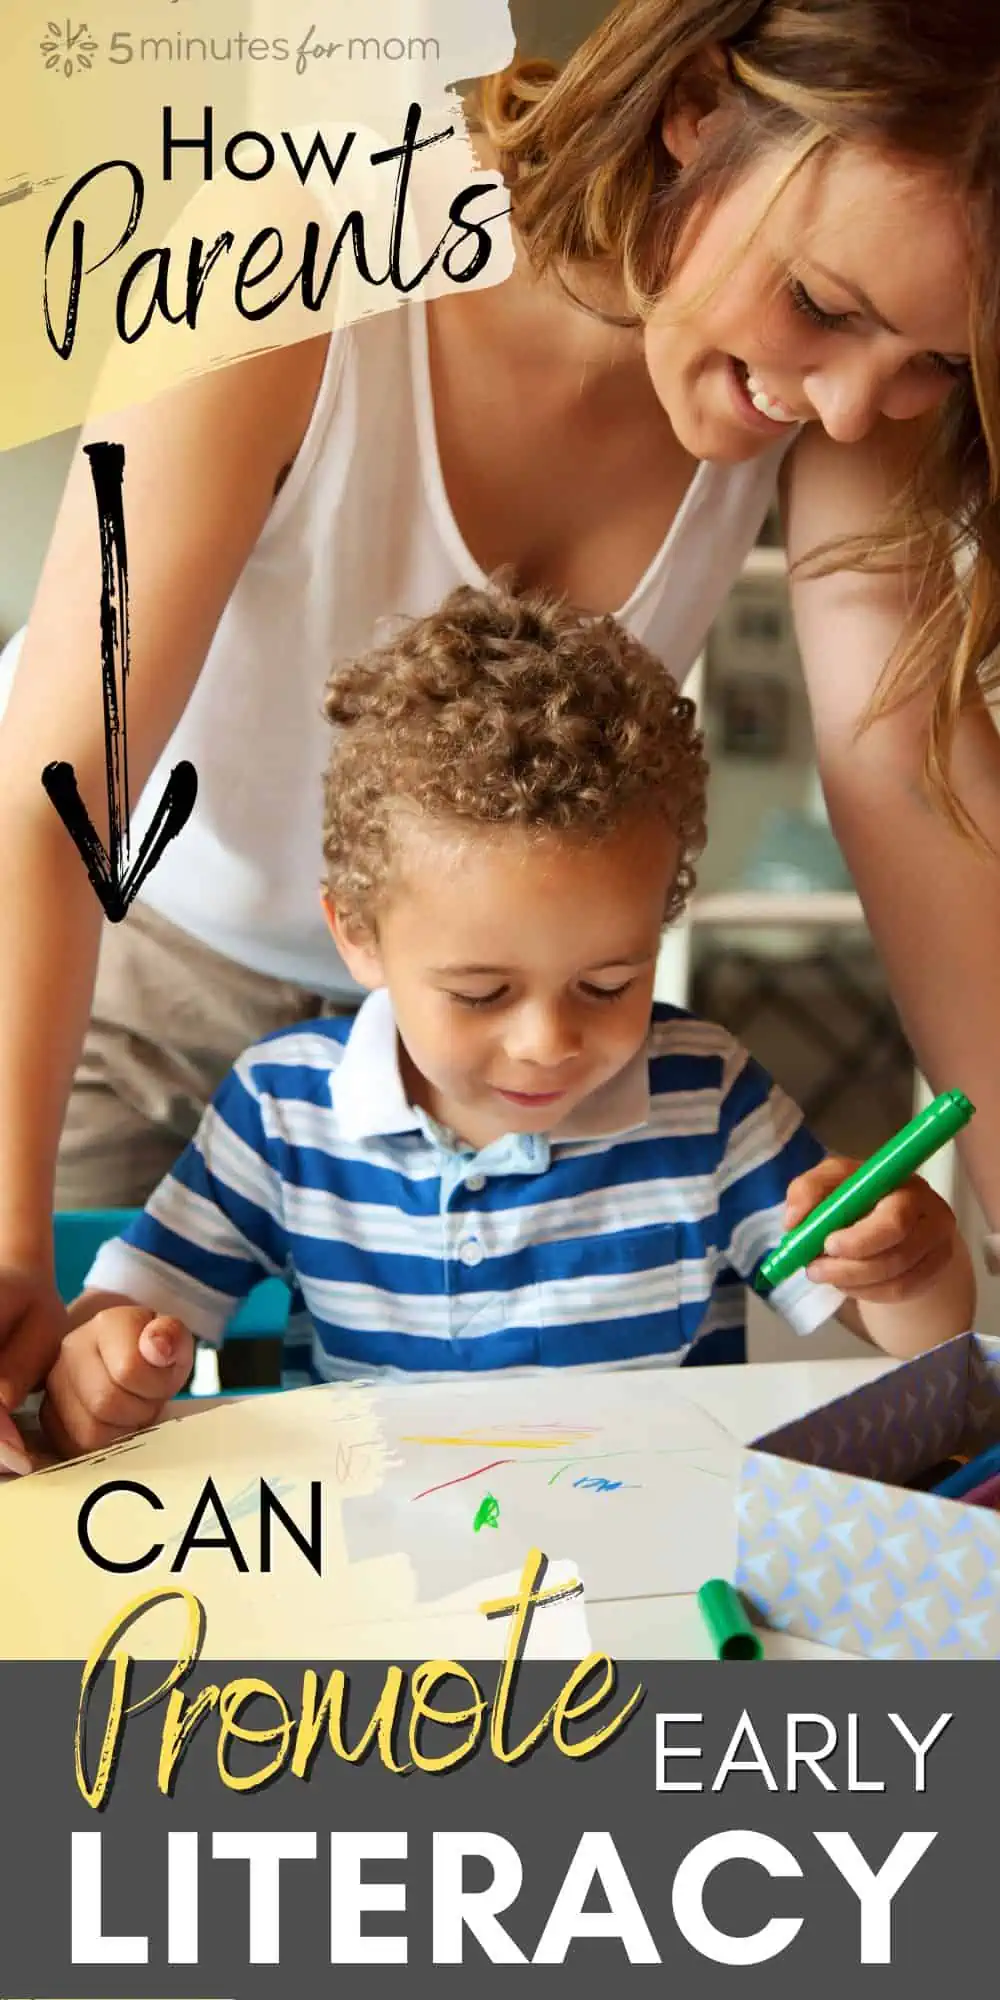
x=115 y=883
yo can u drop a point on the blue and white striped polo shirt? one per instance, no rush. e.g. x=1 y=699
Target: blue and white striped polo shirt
x=625 y=1235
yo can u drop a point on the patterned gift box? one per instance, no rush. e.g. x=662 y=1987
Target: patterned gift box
x=832 y=1547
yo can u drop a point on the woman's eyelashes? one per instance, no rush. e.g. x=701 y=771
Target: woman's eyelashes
x=956 y=369
x=804 y=302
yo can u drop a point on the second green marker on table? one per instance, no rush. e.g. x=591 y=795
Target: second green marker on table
x=862 y=1191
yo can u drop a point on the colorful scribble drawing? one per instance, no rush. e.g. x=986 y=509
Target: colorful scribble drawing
x=551 y=1439
x=541 y=1440
x=487 y=1513
x=462 y=1477
x=589 y=1458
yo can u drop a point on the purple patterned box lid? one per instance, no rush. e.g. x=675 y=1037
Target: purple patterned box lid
x=832 y=1546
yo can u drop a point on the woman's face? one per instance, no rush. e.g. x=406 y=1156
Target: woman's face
x=850 y=304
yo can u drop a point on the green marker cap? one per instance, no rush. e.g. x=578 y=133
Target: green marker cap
x=863 y=1190
x=727 y=1624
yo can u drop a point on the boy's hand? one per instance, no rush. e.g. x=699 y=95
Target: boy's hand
x=114 y=1375
x=894 y=1253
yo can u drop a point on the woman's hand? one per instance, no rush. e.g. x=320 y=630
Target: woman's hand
x=32 y=1324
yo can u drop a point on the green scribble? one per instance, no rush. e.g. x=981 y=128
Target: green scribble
x=487 y=1513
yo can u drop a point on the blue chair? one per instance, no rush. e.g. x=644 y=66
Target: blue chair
x=79 y=1234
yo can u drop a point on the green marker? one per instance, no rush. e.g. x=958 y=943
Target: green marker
x=862 y=1191
x=727 y=1624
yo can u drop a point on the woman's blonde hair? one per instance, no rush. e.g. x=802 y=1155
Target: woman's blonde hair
x=592 y=183
x=500 y=710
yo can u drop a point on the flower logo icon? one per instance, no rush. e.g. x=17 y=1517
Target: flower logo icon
x=68 y=48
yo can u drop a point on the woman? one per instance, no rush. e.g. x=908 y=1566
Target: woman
x=754 y=240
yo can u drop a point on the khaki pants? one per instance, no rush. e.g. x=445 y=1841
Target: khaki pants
x=169 y=1018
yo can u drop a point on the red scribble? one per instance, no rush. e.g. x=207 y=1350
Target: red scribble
x=462 y=1476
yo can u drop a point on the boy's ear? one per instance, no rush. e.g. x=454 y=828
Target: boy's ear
x=358 y=949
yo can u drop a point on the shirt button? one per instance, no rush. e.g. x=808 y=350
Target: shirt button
x=476 y=1183
x=471 y=1251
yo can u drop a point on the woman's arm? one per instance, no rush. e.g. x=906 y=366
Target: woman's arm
x=932 y=900
x=202 y=466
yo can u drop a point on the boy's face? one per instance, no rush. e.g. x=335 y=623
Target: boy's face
x=520 y=966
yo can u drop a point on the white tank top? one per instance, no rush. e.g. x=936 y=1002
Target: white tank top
x=362 y=531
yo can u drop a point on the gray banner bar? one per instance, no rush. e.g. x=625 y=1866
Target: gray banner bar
x=791 y=1829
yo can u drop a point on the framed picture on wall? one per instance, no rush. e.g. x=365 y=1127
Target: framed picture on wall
x=753 y=715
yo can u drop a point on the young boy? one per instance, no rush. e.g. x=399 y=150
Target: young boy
x=510 y=1158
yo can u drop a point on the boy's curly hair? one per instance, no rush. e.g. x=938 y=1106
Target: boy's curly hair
x=504 y=709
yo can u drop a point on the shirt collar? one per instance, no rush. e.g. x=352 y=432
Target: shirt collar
x=372 y=1102
x=371 y=1096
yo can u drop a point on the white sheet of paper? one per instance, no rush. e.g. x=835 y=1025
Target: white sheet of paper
x=587 y=1462
x=429 y=1491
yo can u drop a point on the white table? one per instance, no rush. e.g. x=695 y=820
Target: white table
x=740 y=1404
